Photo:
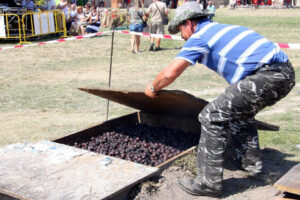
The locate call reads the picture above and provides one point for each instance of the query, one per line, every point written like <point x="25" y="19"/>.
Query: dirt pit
<point x="140" y="143"/>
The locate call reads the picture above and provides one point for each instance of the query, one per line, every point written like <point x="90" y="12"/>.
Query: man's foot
<point x="196" y="189"/>
<point x="133" y="51"/>
<point x="157" y="49"/>
<point x="151" y="48"/>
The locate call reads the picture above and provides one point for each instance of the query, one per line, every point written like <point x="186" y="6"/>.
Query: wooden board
<point x="173" y="102"/>
<point x="47" y="170"/>
<point x="168" y="102"/>
<point x="290" y="182"/>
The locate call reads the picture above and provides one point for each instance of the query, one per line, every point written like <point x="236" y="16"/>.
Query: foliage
<point x="41" y="3"/>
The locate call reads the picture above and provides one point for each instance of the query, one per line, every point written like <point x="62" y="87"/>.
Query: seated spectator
<point x="81" y="21"/>
<point x="87" y="10"/>
<point x="94" y="21"/>
<point x="72" y="18"/>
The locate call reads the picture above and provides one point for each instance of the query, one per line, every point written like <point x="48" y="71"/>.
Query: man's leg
<point x="160" y="30"/>
<point x="214" y="120"/>
<point x="158" y="43"/>
<point x="228" y="113"/>
<point x="245" y="152"/>
<point x="153" y="28"/>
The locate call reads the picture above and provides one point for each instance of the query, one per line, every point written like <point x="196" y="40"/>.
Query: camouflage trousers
<point x="231" y="115"/>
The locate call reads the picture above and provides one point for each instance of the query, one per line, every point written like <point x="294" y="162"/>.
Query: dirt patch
<point x="236" y="185"/>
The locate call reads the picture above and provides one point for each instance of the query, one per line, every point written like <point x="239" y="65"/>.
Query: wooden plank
<point x="171" y="122"/>
<point x="85" y="134"/>
<point x="171" y="160"/>
<point x="48" y="170"/>
<point x="290" y="182"/>
<point x="168" y="102"/>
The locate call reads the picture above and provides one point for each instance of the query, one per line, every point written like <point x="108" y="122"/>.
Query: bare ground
<point x="236" y="185"/>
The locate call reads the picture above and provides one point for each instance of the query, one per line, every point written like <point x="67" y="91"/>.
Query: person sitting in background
<point x="94" y="21"/>
<point x="136" y="14"/>
<point x="72" y="18"/>
<point x="81" y="21"/>
<point x="87" y="10"/>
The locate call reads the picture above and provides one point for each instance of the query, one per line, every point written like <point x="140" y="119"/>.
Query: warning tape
<point x="57" y="41"/>
<point x="171" y="37"/>
<point x="289" y="45"/>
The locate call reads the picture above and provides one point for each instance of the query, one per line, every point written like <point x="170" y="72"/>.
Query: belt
<point x="275" y="67"/>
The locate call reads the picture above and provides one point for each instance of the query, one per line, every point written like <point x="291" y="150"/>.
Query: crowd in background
<point x="81" y="20"/>
<point x="87" y="16"/>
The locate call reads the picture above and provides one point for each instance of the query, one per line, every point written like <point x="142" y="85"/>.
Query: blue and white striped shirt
<point x="234" y="52"/>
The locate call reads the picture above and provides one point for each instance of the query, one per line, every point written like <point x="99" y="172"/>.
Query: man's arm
<point x="167" y="76"/>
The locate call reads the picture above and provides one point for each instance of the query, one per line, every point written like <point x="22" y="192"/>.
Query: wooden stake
<point x="110" y="68"/>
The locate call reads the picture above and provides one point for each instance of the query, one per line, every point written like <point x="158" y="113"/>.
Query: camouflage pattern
<point x="233" y="112"/>
<point x="188" y="10"/>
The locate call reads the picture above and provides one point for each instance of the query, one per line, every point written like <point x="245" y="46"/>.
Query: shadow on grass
<point x="173" y="48"/>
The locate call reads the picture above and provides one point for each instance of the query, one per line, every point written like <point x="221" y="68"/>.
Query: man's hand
<point x="166" y="77"/>
<point x="149" y="93"/>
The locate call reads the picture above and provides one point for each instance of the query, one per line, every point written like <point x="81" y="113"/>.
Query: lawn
<point x="39" y="97"/>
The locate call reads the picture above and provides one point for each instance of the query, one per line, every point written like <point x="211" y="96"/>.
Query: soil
<point x="236" y="185"/>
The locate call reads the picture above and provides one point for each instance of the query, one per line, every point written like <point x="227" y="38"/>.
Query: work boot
<point x="193" y="188"/>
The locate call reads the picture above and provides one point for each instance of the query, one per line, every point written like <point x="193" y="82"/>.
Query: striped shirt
<point x="234" y="52"/>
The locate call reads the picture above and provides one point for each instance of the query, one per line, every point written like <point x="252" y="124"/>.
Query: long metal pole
<point x="110" y="68"/>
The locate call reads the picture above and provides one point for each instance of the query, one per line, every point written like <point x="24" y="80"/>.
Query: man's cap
<point x="188" y="10"/>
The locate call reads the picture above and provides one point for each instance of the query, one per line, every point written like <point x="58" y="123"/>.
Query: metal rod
<point x="110" y="68"/>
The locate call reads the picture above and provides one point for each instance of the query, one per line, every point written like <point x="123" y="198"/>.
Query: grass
<point x="39" y="97"/>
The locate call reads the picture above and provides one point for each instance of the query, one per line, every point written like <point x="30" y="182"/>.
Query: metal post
<point x="110" y="68"/>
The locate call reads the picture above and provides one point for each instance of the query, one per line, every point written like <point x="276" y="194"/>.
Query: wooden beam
<point x="290" y="182"/>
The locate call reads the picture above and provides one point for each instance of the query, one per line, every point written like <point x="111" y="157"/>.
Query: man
<point x="259" y="74"/>
<point x="156" y="10"/>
